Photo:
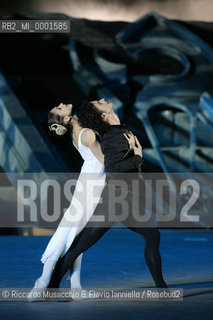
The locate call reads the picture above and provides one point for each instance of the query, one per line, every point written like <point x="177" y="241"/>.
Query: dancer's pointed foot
<point x="36" y="293"/>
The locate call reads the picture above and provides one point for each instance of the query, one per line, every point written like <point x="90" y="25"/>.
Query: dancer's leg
<point x="75" y="273"/>
<point x="83" y="241"/>
<point x="149" y="231"/>
<point x="48" y="268"/>
<point x="47" y="271"/>
<point x="152" y="253"/>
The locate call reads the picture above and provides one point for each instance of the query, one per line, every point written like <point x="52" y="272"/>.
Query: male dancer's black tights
<point x="90" y="235"/>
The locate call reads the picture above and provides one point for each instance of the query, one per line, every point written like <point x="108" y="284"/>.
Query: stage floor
<point x="116" y="261"/>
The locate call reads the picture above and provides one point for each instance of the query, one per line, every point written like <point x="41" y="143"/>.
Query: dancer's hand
<point x="138" y="148"/>
<point x="134" y="144"/>
<point x="130" y="138"/>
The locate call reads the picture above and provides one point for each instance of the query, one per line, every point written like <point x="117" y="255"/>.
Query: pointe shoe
<point x="36" y="293"/>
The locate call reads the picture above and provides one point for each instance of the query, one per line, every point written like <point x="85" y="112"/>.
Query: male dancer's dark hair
<point x="90" y="117"/>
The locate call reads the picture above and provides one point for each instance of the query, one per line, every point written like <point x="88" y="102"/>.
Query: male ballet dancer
<point x="118" y="158"/>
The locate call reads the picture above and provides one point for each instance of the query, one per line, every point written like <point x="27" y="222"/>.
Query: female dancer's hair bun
<point x="58" y="129"/>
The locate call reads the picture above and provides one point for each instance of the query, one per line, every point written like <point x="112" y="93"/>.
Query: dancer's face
<point x="64" y="111"/>
<point x="107" y="110"/>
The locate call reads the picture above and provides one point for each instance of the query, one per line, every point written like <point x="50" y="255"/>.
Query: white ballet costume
<point x="76" y="216"/>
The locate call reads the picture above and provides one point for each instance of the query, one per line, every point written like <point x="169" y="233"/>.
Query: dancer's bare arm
<point x="89" y="140"/>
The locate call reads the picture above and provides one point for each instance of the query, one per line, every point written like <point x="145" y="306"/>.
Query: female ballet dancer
<point x="60" y="120"/>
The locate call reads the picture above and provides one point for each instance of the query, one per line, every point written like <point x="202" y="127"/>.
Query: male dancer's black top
<point x="117" y="155"/>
